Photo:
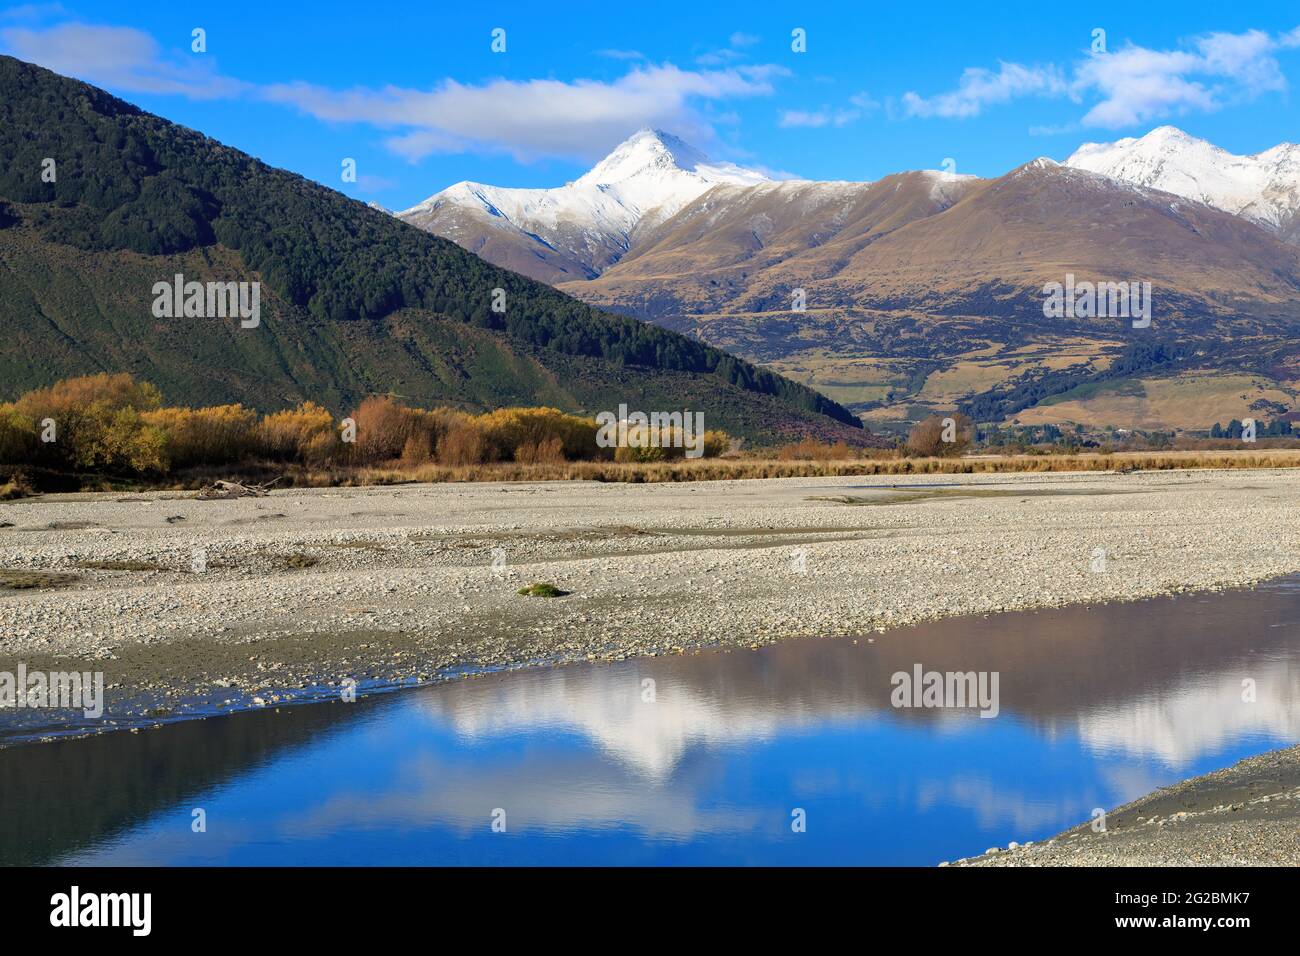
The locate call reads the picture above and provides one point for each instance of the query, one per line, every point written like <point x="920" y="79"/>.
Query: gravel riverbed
<point x="313" y="587"/>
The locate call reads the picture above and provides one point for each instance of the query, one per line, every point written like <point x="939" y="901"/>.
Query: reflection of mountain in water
<point x="697" y="701"/>
<point x="730" y="739"/>
<point x="1177" y="724"/>
<point x="1159" y="678"/>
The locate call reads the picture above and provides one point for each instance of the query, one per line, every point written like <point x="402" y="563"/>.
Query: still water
<point x="1097" y="706"/>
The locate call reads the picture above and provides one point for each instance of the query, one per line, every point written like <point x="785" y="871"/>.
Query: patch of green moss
<point x="542" y="589"/>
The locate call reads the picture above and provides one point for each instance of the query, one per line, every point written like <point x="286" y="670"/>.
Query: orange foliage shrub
<point x="547" y="452"/>
<point x="306" y="433"/>
<point x="383" y="429"/>
<point x="418" y="449"/>
<point x="809" y="449"/>
<point x="506" y="430"/>
<point x="717" y="443"/>
<point x="96" y="423"/>
<point x="926" y="439"/>
<point x="114" y="423"/>
<point x="73" y="396"/>
<point x="462" y="445"/>
<point x="219" y="433"/>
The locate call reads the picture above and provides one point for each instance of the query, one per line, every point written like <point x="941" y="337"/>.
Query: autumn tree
<point x="940" y="436"/>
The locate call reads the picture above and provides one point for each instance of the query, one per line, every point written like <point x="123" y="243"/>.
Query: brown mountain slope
<point x="915" y="305"/>
<point x="924" y="292"/>
<point x="709" y="254"/>
<point x="1041" y="221"/>
<point x="903" y="246"/>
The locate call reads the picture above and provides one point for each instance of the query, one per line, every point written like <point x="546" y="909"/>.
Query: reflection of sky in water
<point x="709" y="773"/>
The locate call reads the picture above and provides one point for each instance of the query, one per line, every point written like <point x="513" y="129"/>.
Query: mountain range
<point x="100" y="201"/>
<point x="923" y="291"/>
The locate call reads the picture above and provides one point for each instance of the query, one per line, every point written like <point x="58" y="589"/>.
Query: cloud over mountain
<point x="534" y="118"/>
<point x="1133" y="84"/>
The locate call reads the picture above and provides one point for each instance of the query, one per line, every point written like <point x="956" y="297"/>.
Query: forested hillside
<point x="353" y="301"/>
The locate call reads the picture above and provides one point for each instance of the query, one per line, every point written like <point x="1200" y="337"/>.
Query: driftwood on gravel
<point x="233" y="489"/>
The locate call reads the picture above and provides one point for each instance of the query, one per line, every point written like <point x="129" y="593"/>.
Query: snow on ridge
<point x="1263" y="187"/>
<point x="653" y="175"/>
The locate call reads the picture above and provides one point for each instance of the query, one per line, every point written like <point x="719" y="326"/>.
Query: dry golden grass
<point x="887" y="462"/>
<point x="16" y="487"/>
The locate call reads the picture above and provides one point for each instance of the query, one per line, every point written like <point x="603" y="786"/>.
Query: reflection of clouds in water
<point x="746" y="699"/>
<point x="604" y="704"/>
<point x="173" y="844"/>
<point x="1128" y="782"/>
<point x="547" y="792"/>
<point x="1179" y="723"/>
<point x="995" y="808"/>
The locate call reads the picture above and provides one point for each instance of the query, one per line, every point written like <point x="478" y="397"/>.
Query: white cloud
<point x="979" y="87"/>
<point x="822" y="117"/>
<point x="119" y="57"/>
<point x="719" y="57"/>
<point x="527" y="119"/>
<point x="533" y="118"/>
<point x="1133" y="84"/>
<point x="864" y="101"/>
<point x="1137" y="84"/>
<point x="730" y="53"/>
<point x="861" y="104"/>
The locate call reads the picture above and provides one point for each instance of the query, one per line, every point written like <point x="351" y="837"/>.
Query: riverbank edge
<point x="1246" y="814"/>
<point x="161" y="686"/>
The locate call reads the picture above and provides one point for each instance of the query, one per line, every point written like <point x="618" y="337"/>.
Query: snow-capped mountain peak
<point x="646" y="150"/>
<point x="589" y="222"/>
<point x="1264" y="187"/>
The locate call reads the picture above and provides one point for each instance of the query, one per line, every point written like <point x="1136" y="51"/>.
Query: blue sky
<point x="414" y="93"/>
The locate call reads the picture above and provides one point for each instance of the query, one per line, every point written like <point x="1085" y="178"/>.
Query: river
<point x="790" y="754"/>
